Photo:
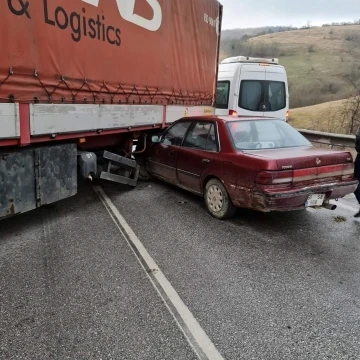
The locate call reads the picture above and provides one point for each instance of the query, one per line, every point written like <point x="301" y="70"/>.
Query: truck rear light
<point x="274" y="177"/>
<point x="233" y="113"/>
<point x="287" y="116"/>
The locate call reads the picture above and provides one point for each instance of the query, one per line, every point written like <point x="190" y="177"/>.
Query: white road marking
<point x="202" y="340"/>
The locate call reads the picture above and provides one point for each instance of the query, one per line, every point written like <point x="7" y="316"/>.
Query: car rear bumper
<point x="267" y="200"/>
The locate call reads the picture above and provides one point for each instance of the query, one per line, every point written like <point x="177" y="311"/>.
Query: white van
<point x="252" y="87"/>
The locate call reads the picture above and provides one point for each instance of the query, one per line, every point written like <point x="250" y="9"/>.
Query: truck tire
<point x="218" y="201"/>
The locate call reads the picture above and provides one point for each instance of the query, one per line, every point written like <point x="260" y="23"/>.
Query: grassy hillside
<point x="341" y="116"/>
<point x="321" y="62"/>
<point x="239" y="33"/>
<point x="321" y="117"/>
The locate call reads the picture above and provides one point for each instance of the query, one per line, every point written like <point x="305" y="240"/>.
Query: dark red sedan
<point x="258" y="163"/>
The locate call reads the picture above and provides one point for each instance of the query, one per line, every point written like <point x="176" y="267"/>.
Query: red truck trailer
<point x="81" y="80"/>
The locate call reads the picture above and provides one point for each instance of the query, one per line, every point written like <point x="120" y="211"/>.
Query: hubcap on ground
<point x="215" y="198"/>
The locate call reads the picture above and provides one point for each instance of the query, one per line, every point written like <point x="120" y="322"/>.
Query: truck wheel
<point x="218" y="201"/>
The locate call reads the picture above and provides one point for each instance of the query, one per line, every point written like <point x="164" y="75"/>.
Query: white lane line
<point x="203" y="342"/>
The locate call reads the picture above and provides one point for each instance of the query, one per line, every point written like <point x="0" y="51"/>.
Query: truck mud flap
<point x="119" y="169"/>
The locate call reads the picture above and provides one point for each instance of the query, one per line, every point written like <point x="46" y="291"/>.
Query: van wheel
<point x="217" y="200"/>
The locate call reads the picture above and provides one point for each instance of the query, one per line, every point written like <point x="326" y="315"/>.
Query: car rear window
<point x="222" y="94"/>
<point x="262" y="95"/>
<point x="264" y="134"/>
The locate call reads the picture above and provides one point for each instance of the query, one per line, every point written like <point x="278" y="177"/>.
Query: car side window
<point x="202" y="136"/>
<point x="175" y="134"/>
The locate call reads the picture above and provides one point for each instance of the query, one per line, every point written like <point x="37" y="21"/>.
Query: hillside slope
<point x="239" y="33"/>
<point x="321" y="117"/>
<point x="341" y="116"/>
<point x="321" y="62"/>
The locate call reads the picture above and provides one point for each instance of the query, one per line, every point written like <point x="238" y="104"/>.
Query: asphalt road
<point x="260" y="286"/>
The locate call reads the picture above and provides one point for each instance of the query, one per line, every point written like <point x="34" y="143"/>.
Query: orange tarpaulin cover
<point x="112" y="51"/>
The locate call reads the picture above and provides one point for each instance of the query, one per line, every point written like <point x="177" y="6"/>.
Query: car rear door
<point x="196" y="155"/>
<point x="163" y="156"/>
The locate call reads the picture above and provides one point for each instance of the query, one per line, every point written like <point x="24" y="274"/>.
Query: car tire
<point x="218" y="201"/>
<point x="144" y="174"/>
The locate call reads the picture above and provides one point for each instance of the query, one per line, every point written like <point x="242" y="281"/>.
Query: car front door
<point x="196" y="155"/>
<point x="163" y="155"/>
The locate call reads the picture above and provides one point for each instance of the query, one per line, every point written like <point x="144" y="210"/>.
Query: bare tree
<point x="351" y="111"/>
<point x="351" y="114"/>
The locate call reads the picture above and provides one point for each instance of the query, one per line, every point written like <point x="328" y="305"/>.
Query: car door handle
<point x="205" y="160"/>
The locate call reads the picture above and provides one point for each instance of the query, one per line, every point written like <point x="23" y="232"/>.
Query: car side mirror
<point x="156" y="139"/>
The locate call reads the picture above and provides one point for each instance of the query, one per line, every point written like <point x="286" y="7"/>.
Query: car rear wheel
<point x="217" y="200"/>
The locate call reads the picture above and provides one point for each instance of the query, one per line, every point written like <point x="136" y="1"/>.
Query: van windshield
<point x="264" y="134"/>
<point x="262" y="95"/>
<point x="222" y="94"/>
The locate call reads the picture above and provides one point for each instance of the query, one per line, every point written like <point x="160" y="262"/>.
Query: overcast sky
<point x="255" y="13"/>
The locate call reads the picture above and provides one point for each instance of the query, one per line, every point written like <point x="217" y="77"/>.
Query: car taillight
<point x="287" y="116"/>
<point x="274" y="177"/>
<point x="346" y="171"/>
<point x="348" y="168"/>
<point x="232" y="113"/>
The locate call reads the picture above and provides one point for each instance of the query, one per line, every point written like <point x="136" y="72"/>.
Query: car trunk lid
<point x="302" y="157"/>
<point x="304" y="166"/>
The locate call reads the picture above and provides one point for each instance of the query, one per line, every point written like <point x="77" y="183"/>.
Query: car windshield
<point x="264" y="134"/>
